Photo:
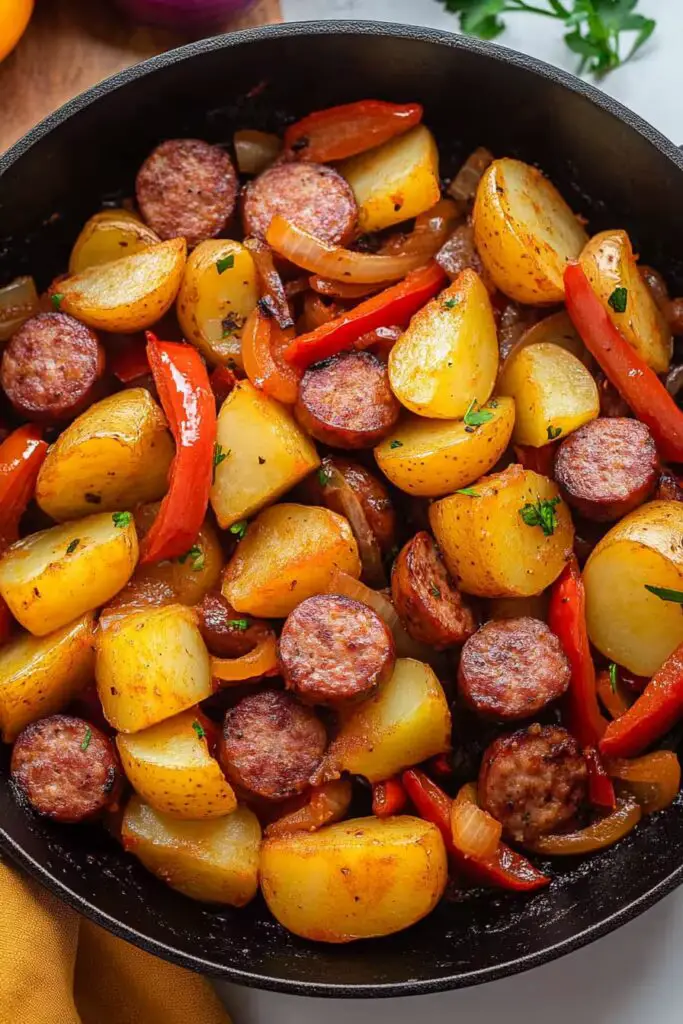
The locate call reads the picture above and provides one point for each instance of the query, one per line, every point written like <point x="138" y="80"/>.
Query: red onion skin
<point x="182" y="14"/>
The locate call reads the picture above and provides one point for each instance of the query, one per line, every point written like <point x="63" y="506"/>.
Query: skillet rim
<point x="40" y="872"/>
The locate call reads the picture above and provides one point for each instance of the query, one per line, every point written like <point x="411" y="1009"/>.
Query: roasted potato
<point x="107" y="237"/>
<point x="114" y="455"/>
<point x="396" y="181"/>
<point x="213" y="305"/>
<point x="553" y="391"/>
<point x="555" y="330"/>
<point x="170" y="767"/>
<point x="40" y="675"/>
<point x="127" y="294"/>
<point x="430" y="458"/>
<point x="525" y="232"/>
<point x="406" y="722"/>
<point x="266" y="453"/>
<point x="358" y="879"/>
<point x="510" y="538"/>
<point x="215" y="861"/>
<point x="150" y="665"/>
<point x="610" y="265"/>
<point x="448" y="355"/>
<point x="288" y="554"/>
<point x="626" y="622"/>
<point x="52" y="577"/>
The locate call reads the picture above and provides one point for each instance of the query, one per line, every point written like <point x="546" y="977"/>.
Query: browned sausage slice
<point x="512" y="668"/>
<point x="271" y="745"/>
<point x="51" y="368"/>
<point x="346" y="401"/>
<point x="426" y="598"/>
<point x="66" y="768"/>
<point x="227" y="633"/>
<point x="187" y="188"/>
<point x="334" y="649"/>
<point x="374" y="498"/>
<point x="533" y="781"/>
<point x="311" y="196"/>
<point x="607" y="468"/>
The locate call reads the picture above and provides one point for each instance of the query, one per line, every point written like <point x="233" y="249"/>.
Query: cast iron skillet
<point x="613" y="168"/>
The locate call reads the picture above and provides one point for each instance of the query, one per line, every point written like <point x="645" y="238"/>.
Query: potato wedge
<point x="358" y="879"/>
<point x="170" y="767"/>
<point x="609" y="263"/>
<point x="626" y="622"/>
<point x="406" y="722"/>
<point x="151" y="665"/>
<point x="212" y="307"/>
<point x="114" y="455"/>
<point x="490" y="549"/>
<point x="437" y="457"/>
<point x="52" y="577"/>
<point x="448" y="355"/>
<point x="553" y="391"/>
<point x="555" y="330"/>
<point x="106" y="237"/>
<point x="41" y="675"/>
<point x="268" y="453"/>
<point x="127" y="294"/>
<point x="289" y="553"/>
<point x="525" y="232"/>
<point x="395" y="181"/>
<point x="215" y="861"/>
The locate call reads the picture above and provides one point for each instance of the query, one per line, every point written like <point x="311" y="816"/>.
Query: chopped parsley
<point x="554" y="432"/>
<point x="57" y="300"/>
<point x="122" y="519"/>
<point x="239" y="529"/>
<point x="196" y="556"/>
<point x="434" y="590"/>
<point x="86" y="739"/>
<point x="469" y="491"/>
<point x="618" y="300"/>
<point x="323" y="476"/>
<point x="219" y="456"/>
<point x="238" y="624"/>
<point x="225" y="263"/>
<point x="198" y="728"/>
<point x="396" y="444"/>
<point x="73" y="545"/>
<point x="475" y="417"/>
<point x="450" y="303"/>
<point x="664" y="594"/>
<point x="542" y="514"/>
<point x="613" y="676"/>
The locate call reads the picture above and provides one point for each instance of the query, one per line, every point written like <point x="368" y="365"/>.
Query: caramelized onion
<point x="325" y="804"/>
<point x="255" y="151"/>
<point x="343" y="499"/>
<point x="475" y="832"/>
<point x="464" y="185"/>
<point x="654" y="779"/>
<point x="262" y="661"/>
<point x="18" y="302"/>
<point x="600" y="834"/>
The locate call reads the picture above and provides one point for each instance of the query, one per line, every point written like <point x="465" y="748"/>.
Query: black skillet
<point x="613" y="168"/>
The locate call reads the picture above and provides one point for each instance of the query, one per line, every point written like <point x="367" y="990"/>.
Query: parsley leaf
<point x="613" y="676"/>
<point x="541" y="514"/>
<point x="218" y="456"/>
<point x="664" y="594"/>
<point x="554" y="432"/>
<point x="469" y="491"/>
<point x="199" y="729"/>
<point x="239" y="529"/>
<point x="395" y="444"/>
<point x="238" y="624"/>
<point x="86" y="739"/>
<point x="323" y="476"/>
<point x="56" y="299"/>
<point x="73" y="545"/>
<point x="450" y="303"/>
<point x="475" y="417"/>
<point x="197" y="558"/>
<point x="225" y="263"/>
<point x="434" y="590"/>
<point x="618" y="300"/>
<point x="122" y="519"/>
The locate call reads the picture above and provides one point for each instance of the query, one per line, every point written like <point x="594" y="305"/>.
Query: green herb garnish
<point x="122" y="519"/>
<point x="86" y="739"/>
<point x="197" y="558"/>
<point x="395" y="444"/>
<point x="57" y="300"/>
<point x="554" y="432"/>
<point x="469" y="491"/>
<point x="218" y="456"/>
<point x="239" y="529"/>
<point x="323" y="476"/>
<point x="238" y="623"/>
<point x="450" y="303"/>
<point x="618" y="300"/>
<point x="541" y="514"/>
<point x="475" y="417"/>
<point x="73" y="545"/>
<point x="613" y="676"/>
<point x="199" y="730"/>
<point x="225" y="263"/>
<point x="434" y="590"/>
<point x="664" y="594"/>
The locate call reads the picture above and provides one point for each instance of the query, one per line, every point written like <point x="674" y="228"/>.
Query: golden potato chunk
<point x="109" y="236"/>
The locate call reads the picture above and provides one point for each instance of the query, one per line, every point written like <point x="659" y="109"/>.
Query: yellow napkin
<point x="58" y="968"/>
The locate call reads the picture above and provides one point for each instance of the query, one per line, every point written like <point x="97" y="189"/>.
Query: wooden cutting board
<point x="71" y="44"/>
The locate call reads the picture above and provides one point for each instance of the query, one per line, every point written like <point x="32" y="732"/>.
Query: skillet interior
<point x="612" y="168"/>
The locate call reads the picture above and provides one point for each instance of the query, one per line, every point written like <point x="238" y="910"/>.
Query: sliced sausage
<point x="668" y="487"/>
<point x="51" y="368"/>
<point x="66" y="768"/>
<point x="227" y="633"/>
<point x="373" y="496"/>
<point x="607" y="468"/>
<point x="334" y="650"/>
<point x="656" y="285"/>
<point x="311" y="196"/>
<point x="187" y="188"/>
<point x="346" y="401"/>
<point x="533" y="781"/>
<point x="271" y="745"/>
<point x="426" y="598"/>
<point x="512" y="668"/>
<point x="673" y="311"/>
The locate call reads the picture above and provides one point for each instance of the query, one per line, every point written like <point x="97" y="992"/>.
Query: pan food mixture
<point x="341" y="528"/>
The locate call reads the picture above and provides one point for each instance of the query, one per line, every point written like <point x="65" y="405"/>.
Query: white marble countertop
<point x="633" y="975"/>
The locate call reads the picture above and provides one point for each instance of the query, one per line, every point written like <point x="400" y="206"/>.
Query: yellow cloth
<point x="58" y="968"/>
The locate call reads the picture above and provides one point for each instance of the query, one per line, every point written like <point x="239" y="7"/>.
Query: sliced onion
<point x="600" y="834"/>
<point x="255" y="151"/>
<point x="318" y="312"/>
<point x="301" y="248"/>
<point x="464" y="185"/>
<point x="475" y="832"/>
<point x="654" y="779"/>
<point x="325" y="804"/>
<point x="431" y="230"/>
<point x="340" y="290"/>
<point x="262" y="661"/>
<point x="272" y="289"/>
<point x="613" y="699"/>
<point x="342" y="498"/>
<point x="18" y="301"/>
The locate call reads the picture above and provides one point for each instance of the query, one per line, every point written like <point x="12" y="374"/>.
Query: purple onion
<point x="182" y="14"/>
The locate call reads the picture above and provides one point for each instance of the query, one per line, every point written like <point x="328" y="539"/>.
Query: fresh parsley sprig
<point x="593" y="27"/>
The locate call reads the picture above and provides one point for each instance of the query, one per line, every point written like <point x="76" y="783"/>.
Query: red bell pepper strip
<point x="638" y="385"/>
<point x="600" y="786"/>
<point x="129" y="361"/>
<point x="388" y="797"/>
<point x="187" y="399"/>
<point x="339" y="132"/>
<point x="393" y="306"/>
<point x="505" y="869"/>
<point x="540" y="460"/>
<point x="567" y="619"/>
<point x="658" y="708"/>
